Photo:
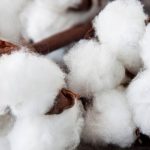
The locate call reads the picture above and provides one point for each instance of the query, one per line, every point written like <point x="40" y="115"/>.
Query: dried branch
<point x="52" y="43"/>
<point x="62" y="39"/>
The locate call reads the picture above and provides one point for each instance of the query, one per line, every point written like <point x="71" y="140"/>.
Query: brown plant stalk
<point x="62" y="39"/>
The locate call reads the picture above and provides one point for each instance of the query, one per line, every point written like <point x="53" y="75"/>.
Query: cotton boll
<point x="139" y="100"/>
<point x="145" y="46"/>
<point x="92" y="68"/>
<point x="109" y="121"/>
<point x="121" y="25"/>
<point x="10" y="27"/>
<point x="48" y="17"/>
<point x="54" y="132"/>
<point x="29" y="83"/>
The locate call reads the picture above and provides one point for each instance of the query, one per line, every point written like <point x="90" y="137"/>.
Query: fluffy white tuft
<point x="109" y="121"/>
<point x="139" y="100"/>
<point x="145" y="46"/>
<point x="48" y="17"/>
<point x="121" y="25"/>
<point x="29" y="83"/>
<point x="10" y="26"/>
<point x="54" y="132"/>
<point x="92" y="68"/>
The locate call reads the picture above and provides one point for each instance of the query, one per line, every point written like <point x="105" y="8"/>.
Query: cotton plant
<point x="138" y="91"/>
<point x="121" y="25"/>
<point x="95" y="73"/>
<point x="96" y="70"/>
<point x="37" y="111"/>
<point x="33" y="88"/>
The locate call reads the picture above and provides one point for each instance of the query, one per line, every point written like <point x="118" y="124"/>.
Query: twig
<point x="62" y="39"/>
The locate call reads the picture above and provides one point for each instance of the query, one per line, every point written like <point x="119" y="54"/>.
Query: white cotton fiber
<point x="109" y="121"/>
<point x="121" y="25"/>
<point x="145" y="46"/>
<point x="139" y="100"/>
<point x="92" y="68"/>
<point x="54" y="132"/>
<point x="10" y="27"/>
<point x="48" y="17"/>
<point x="29" y="83"/>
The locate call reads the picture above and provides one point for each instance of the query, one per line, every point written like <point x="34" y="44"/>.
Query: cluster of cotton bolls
<point x="37" y="112"/>
<point x="28" y="90"/>
<point x="47" y="17"/>
<point x="97" y="71"/>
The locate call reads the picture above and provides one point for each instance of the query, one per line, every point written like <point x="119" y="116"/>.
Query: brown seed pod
<point x="7" y="47"/>
<point x="64" y="100"/>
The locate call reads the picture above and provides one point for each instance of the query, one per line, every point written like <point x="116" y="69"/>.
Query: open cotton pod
<point x="48" y="17"/>
<point x="92" y="68"/>
<point x="139" y="99"/>
<point x="121" y="25"/>
<point x="29" y="83"/>
<point x="109" y="120"/>
<point x="60" y="129"/>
